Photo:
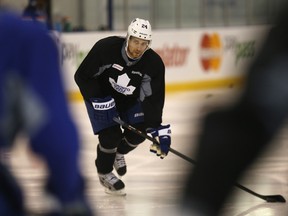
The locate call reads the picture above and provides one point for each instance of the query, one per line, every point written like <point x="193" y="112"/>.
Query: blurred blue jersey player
<point x="32" y="101"/>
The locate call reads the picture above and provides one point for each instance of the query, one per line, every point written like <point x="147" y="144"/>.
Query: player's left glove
<point x="163" y="135"/>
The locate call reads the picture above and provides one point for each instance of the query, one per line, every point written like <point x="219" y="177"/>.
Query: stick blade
<point x="275" y="198"/>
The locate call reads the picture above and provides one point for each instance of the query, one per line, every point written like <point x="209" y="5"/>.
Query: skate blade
<point x="115" y="192"/>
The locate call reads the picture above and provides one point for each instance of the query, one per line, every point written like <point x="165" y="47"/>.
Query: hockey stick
<point x="267" y="198"/>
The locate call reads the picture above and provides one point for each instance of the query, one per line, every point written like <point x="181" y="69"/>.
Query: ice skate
<point x="120" y="164"/>
<point x="112" y="184"/>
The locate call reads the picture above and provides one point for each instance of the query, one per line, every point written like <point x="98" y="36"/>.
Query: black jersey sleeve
<point x="153" y="104"/>
<point x="85" y="75"/>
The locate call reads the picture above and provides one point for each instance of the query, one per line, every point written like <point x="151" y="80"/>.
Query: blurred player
<point x="32" y="101"/>
<point x="123" y="77"/>
<point x="232" y="139"/>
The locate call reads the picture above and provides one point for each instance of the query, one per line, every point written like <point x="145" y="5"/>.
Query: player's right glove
<point x="163" y="135"/>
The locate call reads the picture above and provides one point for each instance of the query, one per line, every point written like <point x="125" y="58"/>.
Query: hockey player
<point x="32" y="101"/>
<point x="123" y="77"/>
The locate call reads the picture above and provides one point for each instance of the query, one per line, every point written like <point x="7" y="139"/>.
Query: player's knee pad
<point x="126" y="146"/>
<point x="110" y="138"/>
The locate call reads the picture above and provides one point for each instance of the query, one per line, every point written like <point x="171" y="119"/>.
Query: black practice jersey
<point x="107" y="71"/>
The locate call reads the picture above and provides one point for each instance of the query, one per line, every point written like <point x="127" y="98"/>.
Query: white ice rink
<point x="153" y="185"/>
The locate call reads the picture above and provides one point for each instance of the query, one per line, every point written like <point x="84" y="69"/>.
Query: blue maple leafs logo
<point x="121" y="85"/>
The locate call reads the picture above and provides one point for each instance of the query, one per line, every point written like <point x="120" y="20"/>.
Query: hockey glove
<point x="162" y="135"/>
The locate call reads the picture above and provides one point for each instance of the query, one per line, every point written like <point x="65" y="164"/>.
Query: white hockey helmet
<point x="140" y="28"/>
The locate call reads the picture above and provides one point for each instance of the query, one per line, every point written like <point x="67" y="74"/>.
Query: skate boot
<point x="112" y="184"/>
<point x="120" y="164"/>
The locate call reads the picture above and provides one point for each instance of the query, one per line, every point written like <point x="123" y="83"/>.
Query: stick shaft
<point x="277" y="198"/>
